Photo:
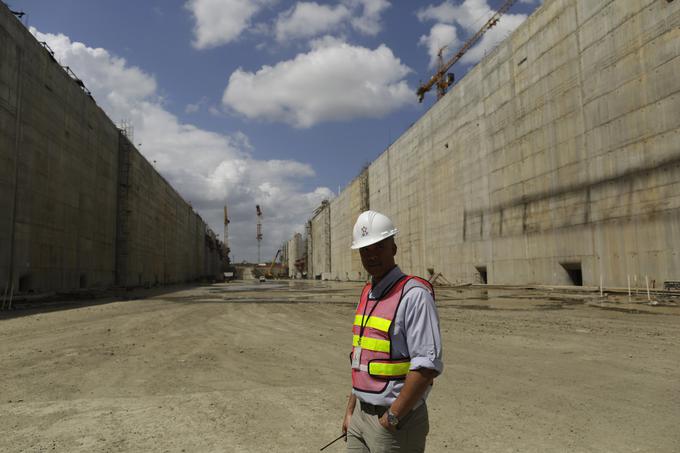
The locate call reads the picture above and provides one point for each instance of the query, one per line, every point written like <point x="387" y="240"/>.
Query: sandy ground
<point x="249" y="367"/>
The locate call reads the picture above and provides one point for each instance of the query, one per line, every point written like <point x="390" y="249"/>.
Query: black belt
<point x="373" y="409"/>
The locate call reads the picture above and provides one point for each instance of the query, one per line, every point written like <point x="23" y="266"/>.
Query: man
<point x="396" y="351"/>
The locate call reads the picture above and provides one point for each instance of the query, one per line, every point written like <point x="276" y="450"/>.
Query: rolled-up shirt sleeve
<point x="423" y="336"/>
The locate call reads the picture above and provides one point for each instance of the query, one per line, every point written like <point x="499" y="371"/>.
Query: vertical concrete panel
<point x="59" y="172"/>
<point x="9" y="89"/>
<point x="295" y="250"/>
<point x="321" y="242"/>
<point x="346" y="263"/>
<point x="339" y="219"/>
<point x="161" y="239"/>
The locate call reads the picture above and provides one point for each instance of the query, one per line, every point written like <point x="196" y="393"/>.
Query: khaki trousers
<point x="367" y="435"/>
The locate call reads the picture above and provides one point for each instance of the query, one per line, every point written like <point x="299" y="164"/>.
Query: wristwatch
<point x="392" y="419"/>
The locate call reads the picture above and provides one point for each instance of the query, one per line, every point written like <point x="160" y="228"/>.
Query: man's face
<point x="378" y="258"/>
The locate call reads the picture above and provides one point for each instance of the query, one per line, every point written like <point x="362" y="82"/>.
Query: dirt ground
<point x="263" y="367"/>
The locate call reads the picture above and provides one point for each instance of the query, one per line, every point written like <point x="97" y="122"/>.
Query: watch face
<point x="392" y="419"/>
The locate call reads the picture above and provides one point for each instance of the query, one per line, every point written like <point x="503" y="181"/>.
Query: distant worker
<point x="396" y="348"/>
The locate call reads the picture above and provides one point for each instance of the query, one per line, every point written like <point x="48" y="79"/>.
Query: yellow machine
<point x="271" y="268"/>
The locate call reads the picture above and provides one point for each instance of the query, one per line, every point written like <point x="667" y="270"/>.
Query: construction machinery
<point x="269" y="273"/>
<point x="442" y="79"/>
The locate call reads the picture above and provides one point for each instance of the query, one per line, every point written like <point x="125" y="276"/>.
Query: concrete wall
<point x="81" y="207"/>
<point x="559" y="151"/>
<point x="59" y="155"/>
<point x="346" y="263"/>
<point x="319" y="243"/>
<point x="296" y="249"/>
<point x="165" y="241"/>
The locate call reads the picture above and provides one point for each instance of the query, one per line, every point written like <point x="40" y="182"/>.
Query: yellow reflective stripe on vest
<point x="373" y="322"/>
<point x="388" y="369"/>
<point x="372" y="344"/>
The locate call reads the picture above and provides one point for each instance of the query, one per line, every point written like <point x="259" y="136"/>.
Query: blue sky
<point x="269" y="102"/>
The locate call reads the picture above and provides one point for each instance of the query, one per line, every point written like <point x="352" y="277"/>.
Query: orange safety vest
<point x="372" y="331"/>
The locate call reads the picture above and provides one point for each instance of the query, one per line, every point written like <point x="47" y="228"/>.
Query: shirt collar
<point x="387" y="281"/>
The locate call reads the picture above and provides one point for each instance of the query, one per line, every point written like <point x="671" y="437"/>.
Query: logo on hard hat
<point x="364" y="231"/>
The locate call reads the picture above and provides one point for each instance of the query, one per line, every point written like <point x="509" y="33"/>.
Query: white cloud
<point x="205" y="167"/>
<point x="493" y="37"/>
<point x="193" y="108"/>
<point x="368" y="22"/>
<point x="107" y="73"/>
<point x="440" y="35"/>
<point x="311" y="19"/>
<point x="308" y="19"/>
<point x="333" y="81"/>
<point x="448" y="12"/>
<point x="471" y="15"/>
<point x="221" y="21"/>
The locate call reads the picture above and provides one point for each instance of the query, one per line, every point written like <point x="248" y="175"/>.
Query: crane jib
<point x="438" y="78"/>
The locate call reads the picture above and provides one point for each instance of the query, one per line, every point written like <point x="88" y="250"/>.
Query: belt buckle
<point x="373" y="408"/>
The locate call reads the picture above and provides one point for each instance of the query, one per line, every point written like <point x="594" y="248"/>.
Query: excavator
<point x="269" y="273"/>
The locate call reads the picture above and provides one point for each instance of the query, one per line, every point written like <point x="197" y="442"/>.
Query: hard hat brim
<point x="374" y="240"/>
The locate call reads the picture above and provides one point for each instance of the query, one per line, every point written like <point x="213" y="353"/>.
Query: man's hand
<point x="385" y="424"/>
<point x="417" y="381"/>
<point x="351" y="402"/>
<point x="346" y="421"/>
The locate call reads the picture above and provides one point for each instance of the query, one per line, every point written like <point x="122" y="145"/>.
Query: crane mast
<point x="443" y="80"/>
<point x="226" y="231"/>
<point x="259" y="232"/>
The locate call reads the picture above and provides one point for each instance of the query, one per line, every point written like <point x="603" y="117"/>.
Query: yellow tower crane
<point x="443" y="80"/>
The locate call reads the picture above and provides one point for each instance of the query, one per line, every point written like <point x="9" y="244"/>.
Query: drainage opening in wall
<point x="481" y="270"/>
<point x="83" y="281"/>
<point x="25" y="283"/>
<point x="574" y="272"/>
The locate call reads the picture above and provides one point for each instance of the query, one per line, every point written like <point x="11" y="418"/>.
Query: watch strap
<point x="392" y="419"/>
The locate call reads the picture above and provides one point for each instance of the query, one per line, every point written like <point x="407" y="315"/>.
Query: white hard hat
<point x="371" y="227"/>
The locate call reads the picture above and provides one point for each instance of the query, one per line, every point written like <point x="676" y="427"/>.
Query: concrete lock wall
<point x="556" y="159"/>
<point x="59" y="171"/>
<point x="63" y="226"/>
<point x="290" y="254"/>
<point x="319" y="242"/>
<point x="165" y="240"/>
<point x="346" y="263"/>
<point x="294" y="251"/>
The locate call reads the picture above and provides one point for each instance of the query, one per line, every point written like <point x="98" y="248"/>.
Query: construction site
<point x="540" y="195"/>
